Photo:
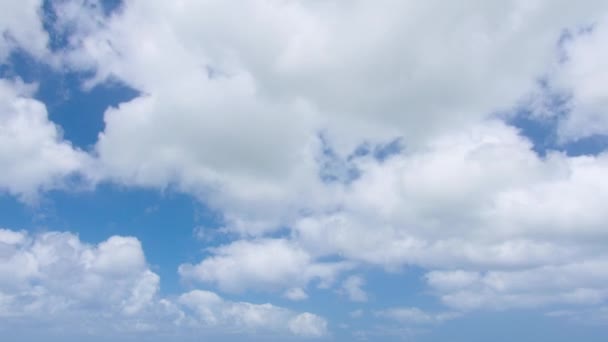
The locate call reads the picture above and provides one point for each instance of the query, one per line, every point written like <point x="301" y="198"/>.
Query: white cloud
<point x="231" y="111"/>
<point x="263" y="265"/>
<point x="237" y="124"/>
<point x="476" y="198"/>
<point x="352" y="287"/>
<point x="591" y="316"/>
<point x="411" y="315"/>
<point x="33" y="155"/>
<point x="307" y="324"/>
<point x="296" y="293"/>
<point x="21" y="27"/>
<point x="55" y="273"/>
<point x="582" y="76"/>
<point x="53" y="279"/>
<point x="580" y="283"/>
<point x="242" y="317"/>
<point x="56" y="278"/>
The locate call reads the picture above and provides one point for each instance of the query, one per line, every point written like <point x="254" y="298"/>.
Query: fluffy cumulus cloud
<point x="336" y="134"/>
<point x="478" y="198"/>
<point x="211" y="310"/>
<point x="55" y="277"/>
<point x="55" y="274"/>
<point x="233" y="113"/>
<point x="245" y="116"/>
<point x="33" y="154"/>
<point x="482" y="200"/>
<point x="268" y="264"/>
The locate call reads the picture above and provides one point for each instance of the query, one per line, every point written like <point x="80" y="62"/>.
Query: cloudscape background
<point x="323" y="170"/>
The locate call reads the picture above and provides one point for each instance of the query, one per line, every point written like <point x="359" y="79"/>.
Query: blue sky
<point x="393" y="171"/>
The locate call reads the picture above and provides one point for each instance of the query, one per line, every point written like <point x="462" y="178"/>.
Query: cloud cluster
<point x="55" y="277"/>
<point x="272" y="113"/>
<point x="233" y="113"/>
<point x="266" y="265"/>
<point x="577" y="283"/>
<point x="212" y="310"/>
<point x="55" y="273"/>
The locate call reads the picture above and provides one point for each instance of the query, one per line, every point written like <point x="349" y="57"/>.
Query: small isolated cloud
<point x="307" y="324"/>
<point x="412" y="315"/>
<point x="353" y="288"/>
<point x="296" y="294"/>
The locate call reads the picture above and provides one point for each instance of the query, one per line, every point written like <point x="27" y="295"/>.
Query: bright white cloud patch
<point x="265" y="265"/>
<point x="232" y="112"/>
<point x="33" y="155"/>
<point x="480" y="197"/>
<point x="55" y="274"/>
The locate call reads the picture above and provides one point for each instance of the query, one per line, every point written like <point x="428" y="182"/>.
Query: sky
<point x="290" y="170"/>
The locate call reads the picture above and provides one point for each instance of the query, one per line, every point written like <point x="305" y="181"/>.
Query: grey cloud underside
<point x="238" y="112"/>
